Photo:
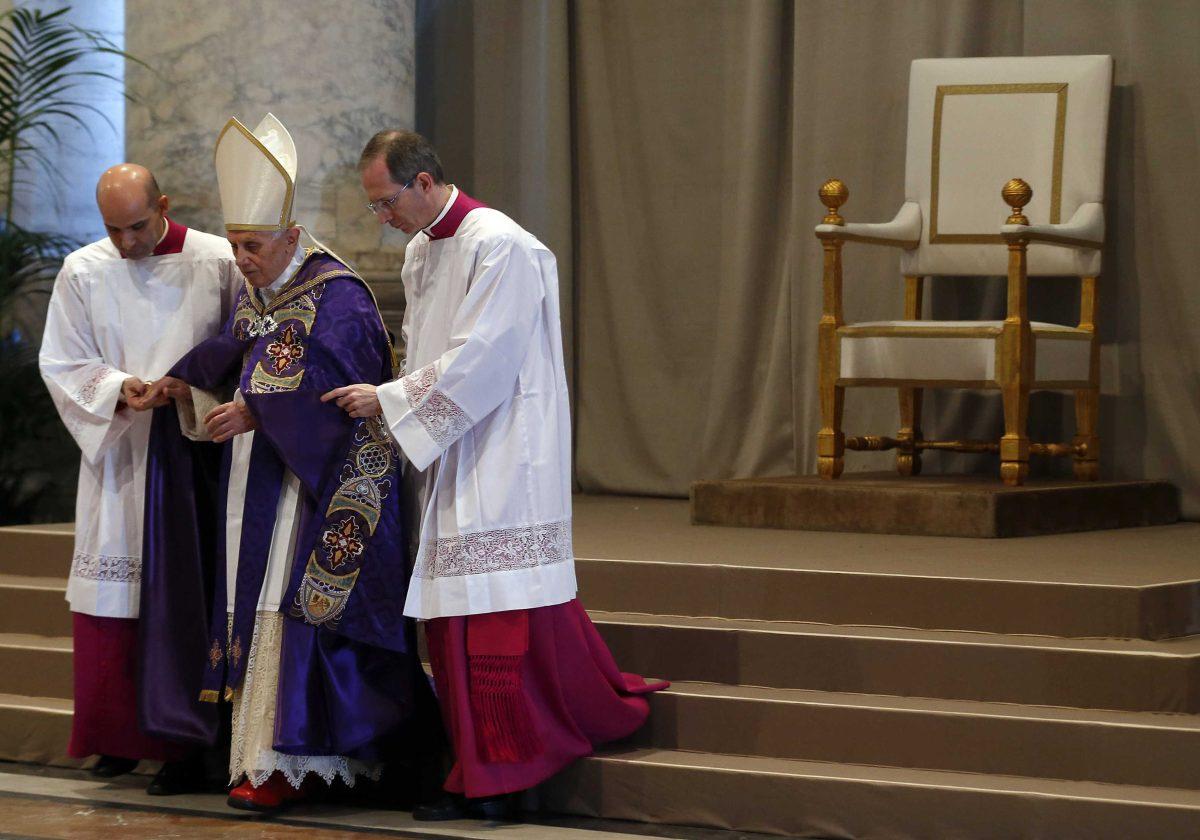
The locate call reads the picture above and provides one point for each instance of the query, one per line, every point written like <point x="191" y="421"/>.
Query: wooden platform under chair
<point x="948" y="506"/>
<point x="828" y="684"/>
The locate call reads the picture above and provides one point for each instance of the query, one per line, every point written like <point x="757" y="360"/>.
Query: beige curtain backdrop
<point x="493" y="94"/>
<point x="678" y="145"/>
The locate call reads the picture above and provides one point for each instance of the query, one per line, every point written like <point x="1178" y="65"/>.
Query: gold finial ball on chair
<point x="833" y="195"/>
<point x="1017" y="194"/>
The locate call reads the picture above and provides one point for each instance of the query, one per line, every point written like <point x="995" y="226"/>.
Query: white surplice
<point x="483" y="411"/>
<point x="109" y="319"/>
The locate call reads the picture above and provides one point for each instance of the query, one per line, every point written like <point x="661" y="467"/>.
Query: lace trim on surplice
<point x="85" y="394"/>
<point x="107" y="567"/>
<point x="250" y="752"/>
<point x="442" y="418"/>
<point x="500" y="550"/>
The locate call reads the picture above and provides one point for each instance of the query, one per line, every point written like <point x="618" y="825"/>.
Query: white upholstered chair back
<point x="974" y="123"/>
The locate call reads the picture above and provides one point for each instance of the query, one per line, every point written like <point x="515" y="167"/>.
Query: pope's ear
<point x="293" y="236"/>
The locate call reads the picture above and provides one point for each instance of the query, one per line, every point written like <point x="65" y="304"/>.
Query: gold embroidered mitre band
<point x="256" y="175"/>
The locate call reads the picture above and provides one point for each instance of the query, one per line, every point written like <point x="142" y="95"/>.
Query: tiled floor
<point x="49" y="804"/>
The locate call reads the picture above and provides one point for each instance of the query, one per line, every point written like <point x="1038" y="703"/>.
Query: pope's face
<point x="133" y="223"/>
<point x="404" y="208"/>
<point x="263" y="255"/>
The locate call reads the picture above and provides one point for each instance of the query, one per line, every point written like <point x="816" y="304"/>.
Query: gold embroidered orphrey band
<point x="1060" y="125"/>
<point x="290" y="293"/>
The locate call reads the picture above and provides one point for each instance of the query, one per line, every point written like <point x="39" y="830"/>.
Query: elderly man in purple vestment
<point x="310" y="644"/>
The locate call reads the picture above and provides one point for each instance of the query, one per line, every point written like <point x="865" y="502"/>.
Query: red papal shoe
<point x="272" y="795"/>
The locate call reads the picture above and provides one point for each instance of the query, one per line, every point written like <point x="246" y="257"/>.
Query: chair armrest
<point x="1085" y="230"/>
<point x="904" y="231"/>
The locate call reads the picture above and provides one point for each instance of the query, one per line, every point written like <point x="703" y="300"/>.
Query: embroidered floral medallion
<point x="343" y="542"/>
<point x="285" y="351"/>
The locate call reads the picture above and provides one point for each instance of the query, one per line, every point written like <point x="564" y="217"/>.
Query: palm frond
<point x="46" y="82"/>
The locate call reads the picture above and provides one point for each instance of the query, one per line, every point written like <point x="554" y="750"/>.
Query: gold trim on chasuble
<point x="365" y="483"/>
<point x="285" y="213"/>
<point x="1060" y="126"/>
<point x="293" y="303"/>
<point x="263" y="314"/>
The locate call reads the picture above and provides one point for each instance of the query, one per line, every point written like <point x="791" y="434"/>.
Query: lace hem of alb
<point x="107" y="567"/>
<point x="253" y="733"/>
<point x="499" y="550"/>
<point x="442" y="418"/>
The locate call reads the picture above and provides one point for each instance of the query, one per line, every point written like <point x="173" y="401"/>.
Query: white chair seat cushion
<point x="956" y="351"/>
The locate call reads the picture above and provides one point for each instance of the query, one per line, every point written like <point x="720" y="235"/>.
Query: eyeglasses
<point x="386" y="204"/>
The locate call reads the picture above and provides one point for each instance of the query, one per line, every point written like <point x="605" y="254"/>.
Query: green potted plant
<point x="41" y="75"/>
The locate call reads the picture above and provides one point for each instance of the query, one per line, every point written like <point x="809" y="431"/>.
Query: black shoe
<point x="448" y="807"/>
<point x="175" y="777"/>
<point x="111" y="766"/>
<point x="502" y="808"/>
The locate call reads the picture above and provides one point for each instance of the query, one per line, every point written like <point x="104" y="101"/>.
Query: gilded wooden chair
<point x="977" y="126"/>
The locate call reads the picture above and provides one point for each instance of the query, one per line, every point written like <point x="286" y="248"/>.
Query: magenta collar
<point x="447" y="226"/>
<point x="172" y="243"/>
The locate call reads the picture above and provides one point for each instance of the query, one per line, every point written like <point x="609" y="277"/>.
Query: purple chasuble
<point x="349" y="673"/>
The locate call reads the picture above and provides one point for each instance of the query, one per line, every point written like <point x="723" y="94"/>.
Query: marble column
<point x="333" y="73"/>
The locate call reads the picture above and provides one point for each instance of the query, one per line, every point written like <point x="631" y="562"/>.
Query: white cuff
<point x="408" y="432"/>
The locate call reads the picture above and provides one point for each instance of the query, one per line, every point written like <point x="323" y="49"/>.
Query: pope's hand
<point x="167" y="388"/>
<point x="133" y="393"/>
<point x="357" y="400"/>
<point x="227" y="420"/>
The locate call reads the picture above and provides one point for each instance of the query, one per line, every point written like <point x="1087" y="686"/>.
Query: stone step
<point x="35" y="605"/>
<point x="36" y="666"/>
<point x="37" y="550"/>
<point x="1121" y="674"/>
<point x="644" y="555"/>
<point x="737" y="588"/>
<point x="739" y="573"/>
<point x="1135" y="748"/>
<point x="821" y="799"/>
<point x="35" y="729"/>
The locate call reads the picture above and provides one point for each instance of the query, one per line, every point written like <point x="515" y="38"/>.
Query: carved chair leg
<point x="908" y="461"/>
<point x="831" y="441"/>
<point x="1014" y="446"/>
<point x="1087" y="409"/>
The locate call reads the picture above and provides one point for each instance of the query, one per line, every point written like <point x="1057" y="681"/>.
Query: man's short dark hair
<point x="406" y="153"/>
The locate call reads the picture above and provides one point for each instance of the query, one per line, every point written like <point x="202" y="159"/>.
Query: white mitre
<point x="256" y="175"/>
